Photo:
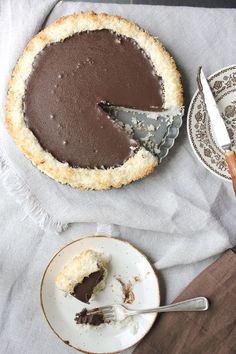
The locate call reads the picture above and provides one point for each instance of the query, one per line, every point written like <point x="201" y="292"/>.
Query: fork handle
<point x="195" y="304"/>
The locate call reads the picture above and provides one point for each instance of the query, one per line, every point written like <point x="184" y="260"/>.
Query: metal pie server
<point x="150" y="128"/>
<point x="218" y="125"/>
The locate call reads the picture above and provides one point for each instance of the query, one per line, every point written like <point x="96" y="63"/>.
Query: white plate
<point x="223" y="84"/>
<point x="128" y="263"/>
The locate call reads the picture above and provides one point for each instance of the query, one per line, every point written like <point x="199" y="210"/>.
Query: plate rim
<point x="188" y="126"/>
<point x="78" y="240"/>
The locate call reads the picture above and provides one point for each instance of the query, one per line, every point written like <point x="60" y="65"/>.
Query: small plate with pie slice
<point x="96" y="271"/>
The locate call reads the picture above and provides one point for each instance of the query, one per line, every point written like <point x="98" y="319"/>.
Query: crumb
<point x="121" y="124"/>
<point x="118" y="40"/>
<point x="129" y="296"/>
<point x="128" y="129"/>
<point x="147" y="137"/>
<point x="137" y="279"/>
<point x="151" y="128"/>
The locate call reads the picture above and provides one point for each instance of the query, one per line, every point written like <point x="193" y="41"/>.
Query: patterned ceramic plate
<point x="223" y="84"/>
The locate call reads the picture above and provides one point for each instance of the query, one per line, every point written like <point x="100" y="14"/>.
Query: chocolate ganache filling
<point x="68" y="81"/>
<point x="83" y="291"/>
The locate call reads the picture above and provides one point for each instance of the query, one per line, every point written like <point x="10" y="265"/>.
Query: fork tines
<point x="107" y="312"/>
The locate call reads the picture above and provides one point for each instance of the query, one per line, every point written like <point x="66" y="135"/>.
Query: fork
<point x="119" y="312"/>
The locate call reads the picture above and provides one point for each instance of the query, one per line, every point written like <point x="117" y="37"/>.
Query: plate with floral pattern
<point x="201" y="137"/>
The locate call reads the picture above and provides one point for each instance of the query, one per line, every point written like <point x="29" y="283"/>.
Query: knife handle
<point x="230" y="158"/>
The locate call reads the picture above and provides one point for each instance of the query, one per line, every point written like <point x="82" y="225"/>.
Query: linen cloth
<point x="212" y="331"/>
<point x="24" y="253"/>
<point x="181" y="216"/>
<point x="187" y="206"/>
<point x="180" y="191"/>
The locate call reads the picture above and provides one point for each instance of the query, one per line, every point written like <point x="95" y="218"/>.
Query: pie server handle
<point x="230" y="158"/>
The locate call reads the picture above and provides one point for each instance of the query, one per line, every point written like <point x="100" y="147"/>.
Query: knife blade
<point x="217" y="124"/>
<point x="149" y="127"/>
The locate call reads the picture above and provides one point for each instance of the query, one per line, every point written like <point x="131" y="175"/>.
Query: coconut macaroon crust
<point x="44" y="127"/>
<point x="85" y="275"/>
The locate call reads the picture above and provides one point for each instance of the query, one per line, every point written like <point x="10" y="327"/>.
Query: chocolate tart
<point x="53" y="109"/>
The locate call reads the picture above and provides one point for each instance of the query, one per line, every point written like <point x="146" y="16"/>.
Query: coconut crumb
<point x="129" y="296"/>
<point x="128" y="129"/>
<point x="151" y="128"/>
<point x="137" y="279"/>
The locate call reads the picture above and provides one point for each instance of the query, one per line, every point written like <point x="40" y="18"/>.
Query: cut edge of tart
<point x="85" y="317"/>
<point x="140" y="163"/>
<point x="85" y="275"/>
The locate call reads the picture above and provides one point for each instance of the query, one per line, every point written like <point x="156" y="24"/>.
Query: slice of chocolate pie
<point x="84" y="276"/>
<point x="54" y="100"/>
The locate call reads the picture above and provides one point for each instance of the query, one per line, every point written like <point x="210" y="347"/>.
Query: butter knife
<point x="218" y="126"/>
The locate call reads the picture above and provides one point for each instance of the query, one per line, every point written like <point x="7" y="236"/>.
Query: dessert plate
<point x="223" y="84"/>
<point x="127" y="264"/>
